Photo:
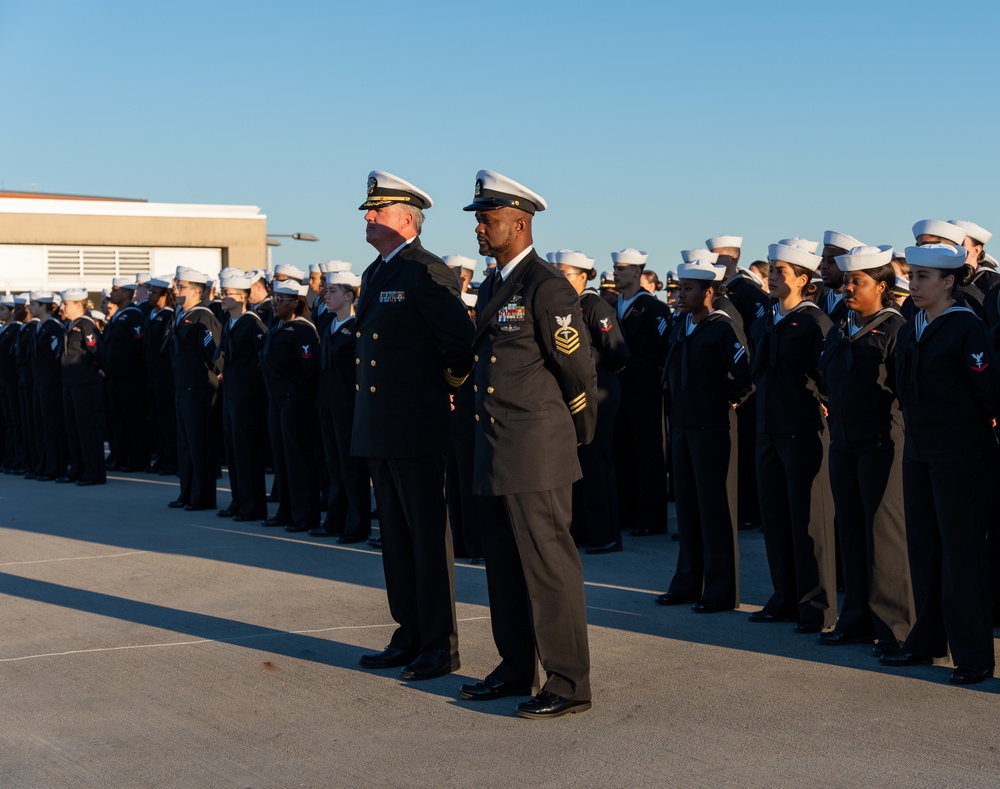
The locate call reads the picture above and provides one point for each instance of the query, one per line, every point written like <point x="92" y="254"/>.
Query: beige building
<point x="58" y="241"/>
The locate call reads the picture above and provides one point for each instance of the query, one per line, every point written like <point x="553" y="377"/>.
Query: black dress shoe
<point x="608" y="547"/>
<point x="198" y="507"/>
<point x="901" y="658"/>
<point x="177" y="505"/>
<point x="390" y="657"/>
<point x="321" y="531"/>
<point x="296" y="526"/>
<point x="646" y="533"/>
<point x="86" y="483"/>
<point x="765" y="616"/>
<point x="375" y="542"/>
<point x="969" y="675"/>
<point x="44" y="478"/>
<point x="670" y="598"/>
<point x="66" y="480"/>
<point x="430" y="664"/>
<point x="477" y="560"/>
<point x="708" y="607"/>
<point x="29" y="475"/>
<point x="549" y="705"/>
<point x="807" y="628"/>
<point x="273" y="521"/>
<point x="226" y="513"/>
<point x="349" y="539"/>
<point x="491" y="688"/>
<point x="249" y="518"/>
<point x="885" y="648"/>
<point x="836" y="637"/>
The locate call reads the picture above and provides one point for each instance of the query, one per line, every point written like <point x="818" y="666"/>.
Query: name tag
<point x="392" y="296"/>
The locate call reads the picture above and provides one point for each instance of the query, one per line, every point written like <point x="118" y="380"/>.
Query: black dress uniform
<point x="193" y="342"/>
<point x="795" y="502"/>
<point x="289" y="361"/>
<point x="13" y="447"/>
<point x="348" y="504"/>
<point x="83" y="399"/>
<point x="596" y="516"/>
<point x="832" y="303"/>
<point x="26" y="394"/>
<point x="50" y="423"/>
<point x="707" y="373"/>
<point x="865" y="459"/>
<point x="265" y="311"/>
<point x="414" y="345"/>
<point x="639" y="447"/>
<point x="536" y="394"/>
<point x="949" y="392"/>
<point x="244" y="413"/>
<point x="160" y="394"/>
<point x="125" y="338"/>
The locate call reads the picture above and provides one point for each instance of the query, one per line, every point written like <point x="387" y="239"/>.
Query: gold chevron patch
<point x="578" y="403"/>
<point x="567" y="340"/>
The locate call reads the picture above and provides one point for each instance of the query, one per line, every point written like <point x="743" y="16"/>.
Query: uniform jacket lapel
<point x="502" y="293"/>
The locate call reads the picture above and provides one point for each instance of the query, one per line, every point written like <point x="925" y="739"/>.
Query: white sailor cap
<point x="291" y="288"/>
<point x="74" y="294"/>
<point x="861" y="258"/>
<point x="939" y="228"/>
<point x="898" y="254"/>
<point x="490" y="262"/>
<point x="97" y="315"/>
<point x="551" y="257"/>
<point x="570" y="257"/>
<point x="720" y="272"/>
<point x="126" y="283"/>
<point x="831" y="238"/>
<point x="385" y="189"/>
<point x="142" y="278"/>
<point x="629" y="257"/>
<point x="334" y="265"/>
<point x="902" y="286"/>
<point x="946" y="256"/>
<point x="256" y="274"/>
<point x="41" y="296"/>
<point x="805" y="243"/>
<point x="717" y="242"/>
<point x="344" y="278"/>
<point x="229" y="271"/>
<point x="973" y="231"/>
<point x="8" y="300"/>
<point x="753" y="276"/>
<point x="688" y="255"/>
<point x="210" y="284"/>
<point x="461" y="261"/>
<point x="470" y="299"/>
<point x="290" y="271"/>
<point x="164" y="281"/>
<point x="989" y="261"/>
<point x="697" y="269"/>
<point x="498" y="191"/>
<point x="236" y="280"/>
<point x="185" y="274"/>
<point x="796" y="255"/>
<point x="314" y="268"/>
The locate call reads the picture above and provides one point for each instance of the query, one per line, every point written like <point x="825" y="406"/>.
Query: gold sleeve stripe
<point x="577" y="404"/>
<point x="577" y="409"/>
<point x="580" y="397"/>
<point x="454" y="381"/>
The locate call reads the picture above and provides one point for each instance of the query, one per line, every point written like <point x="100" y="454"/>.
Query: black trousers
<point x="463" y="507"/>
<point x="244" y="423"/>
<point x="164" y="413"/>
<point x="946" y="522"/>
<point x="291" y="422"/>
<point x="797" y="513"/>
<point x="130" y="430"/>
<point x="85" y="429"/>
<point x="747" y="508"/>
<point x="596" y="515"/>
<point x="25" y="400"/>
<point x="348" y="503"/>
<point x="13" y="447"/>
<point x="196" y="446"/>
<point x="866" y="479"/>
<point x="708" y="562"/>
<point x="50" y="430"/>
<point x="535" y="581"/>
<point x="640" y="461"/>
<point x="416" y="551"/>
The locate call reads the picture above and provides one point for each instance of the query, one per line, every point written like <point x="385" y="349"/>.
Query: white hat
<point x="8" y="300"/>
<point x="569" y="257"/>
<point x="697" y="269"/>
<point x="142" y="279"/>
<point x="551" y="257"/>
<point x="629" y="257"/>
<point x="498" y="191"/>
<point x="688" y="255"/>
<point x="831" y="238"/>
<point x="973" y="231"/>
<point x="334" y="265"/>
<point x="490" y="262"/>
<point x="753" y="276"/>
<point x="796" y="255"/>
<point x="343" y="278"/>
<point x="97" y="315"/>
<point x="461" y="261"/>
<point x="41" y="296"/>
<point x="288" y="270"/>
<point x="717" y="242"/>
<point x="902" y="285"/>
<point x="185" y="274"/>
<point x="989" y="261"/>
<point x="20" y="298"/>
<point x="210" y="284"/>
<point x="291" y="288"/>
<point x="898" y="253"/>
<point x="948" y="256"/>
<point x="470" y="299"/>
<point x="939" y="228"/>
<point x="229" y="271"/>
<point x="165" y="281"/>
<point x="805" y="243"/>
<point x="236" y="281"/>
<point x="720" y="272"/>
<point x="861" y="258"/>
<point x="126" y="283"/>
<point x="74" y="294"/>
<point x="385" y="189"/>
<point x="314" y="268"/>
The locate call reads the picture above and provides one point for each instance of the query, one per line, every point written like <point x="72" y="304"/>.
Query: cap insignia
<point x="479" y="187"/>
<point x="372" y="183"/>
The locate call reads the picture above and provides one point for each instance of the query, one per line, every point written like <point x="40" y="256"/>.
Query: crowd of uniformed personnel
<point x="841" y="396"/>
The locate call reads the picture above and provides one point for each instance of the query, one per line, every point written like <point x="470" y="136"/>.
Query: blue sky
<point x="651" y="125"/>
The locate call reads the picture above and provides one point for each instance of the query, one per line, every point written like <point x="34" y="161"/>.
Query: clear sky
<point x="650" y="125"/>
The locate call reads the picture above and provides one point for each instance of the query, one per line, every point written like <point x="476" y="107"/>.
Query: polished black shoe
<point x="491" y="688"/>
<point x="901" y="658"/>
<point x="350" y="539"/>
<point x="885" y="648"/>
<point x="969" y="675"/>
<point x="249" y="518"/>
<point x="765" y="616"/>
<point x="177" y="505"/>
<point x="646" y="533"/>
<point x="44" y="478"/>
<point x="296" y="526"/>
<point x="86" y="483"/>
<point x="430" y="664"/>
<point x="198" y="507"/>
<point x="708" y="607"/>
<point x="549" y="705"/>
<point x="836" y="637"/>
<point x="390" y="657"/>
<point x="273" y="521"/>
<point x="669" y="598"/>
<point x="226" y="513"/>
<point x="807" y="628"/>
<point x="66" y="480"/>
<point x="375" y="542"/>
<point x="608" y="547"/>
<point x="322" y="531"/>
<point x="30" y="475"/>
<point x="478" y="560"/>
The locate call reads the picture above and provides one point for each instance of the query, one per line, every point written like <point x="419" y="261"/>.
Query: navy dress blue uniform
<point x="26" y="393"/>
<point x="125" y="340"/>
<point x="13" y="447"/>
<point x="244" y="413"/>
<point x="160" y="394"/>
<point x="193" y="342"/>
<point x="82" y="360"/>
<point x="414" y="342"/>
<point x="536" y="392"/>
<point x="50" y="423"/>
<point x="707" y="372"/>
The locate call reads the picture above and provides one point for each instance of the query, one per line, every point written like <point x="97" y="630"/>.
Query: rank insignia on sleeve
<point x="578" y="403"/>
<point x="306" y="353"/>
<point x="567" y="338"/>
<point x="978" y="365"/>
<point x="91" y="340"/>
<point x="605" y="324"/>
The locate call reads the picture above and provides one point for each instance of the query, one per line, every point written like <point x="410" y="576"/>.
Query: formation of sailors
<point x="841" y="396"/>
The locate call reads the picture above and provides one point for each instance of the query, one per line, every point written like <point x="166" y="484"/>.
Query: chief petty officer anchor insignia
<point x="567" y="338"/>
